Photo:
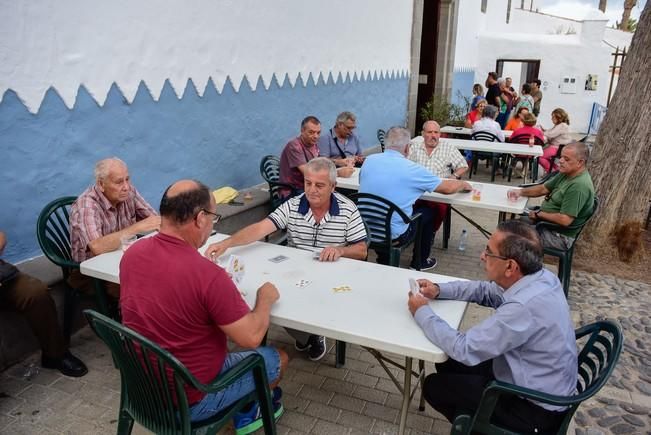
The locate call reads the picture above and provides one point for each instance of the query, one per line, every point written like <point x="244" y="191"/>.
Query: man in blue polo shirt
<point x="319" y="220"/>
<point x="394" y="177"/>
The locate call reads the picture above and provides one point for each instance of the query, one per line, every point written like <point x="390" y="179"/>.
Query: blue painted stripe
<point x="217" y="138"/>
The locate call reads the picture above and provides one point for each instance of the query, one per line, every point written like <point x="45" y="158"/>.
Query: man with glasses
<point x="189" y="306"/>
<point x="319" y="220"/>
<point x="569" y="198"/>
<point x="103" y="214"/>
<point x="341" y="144"/>
<point x="528" y="341"/>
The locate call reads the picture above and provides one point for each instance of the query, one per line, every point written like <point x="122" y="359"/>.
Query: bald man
<point x="188" y="305"/>
<point x="108" y="210"/>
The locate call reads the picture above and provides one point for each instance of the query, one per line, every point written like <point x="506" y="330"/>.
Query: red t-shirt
<point x="177" y="298"/>
<point x="295" y="154"/>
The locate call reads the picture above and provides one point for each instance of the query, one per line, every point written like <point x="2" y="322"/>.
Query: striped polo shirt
<point x="342" y="225"/>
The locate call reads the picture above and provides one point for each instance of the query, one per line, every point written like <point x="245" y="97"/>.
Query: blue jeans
<point x="212" y="403"/>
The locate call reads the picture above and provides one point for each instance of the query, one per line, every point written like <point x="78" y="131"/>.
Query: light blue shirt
<point x="328" y="148"/>
<point x="396" y="178"/>
<point x="530" y="337"/>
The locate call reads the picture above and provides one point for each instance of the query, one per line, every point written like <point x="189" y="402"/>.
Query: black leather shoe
<point x="69" y="365"/>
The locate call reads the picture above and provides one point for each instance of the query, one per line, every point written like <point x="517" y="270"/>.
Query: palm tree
<point x="626" y="15"/>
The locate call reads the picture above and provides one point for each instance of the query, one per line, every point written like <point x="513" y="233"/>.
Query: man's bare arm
<point x="250" y="330"/>
<point x="534" y="191"/>
<point x="452" y="186"/>
<point x="246" y="235"/>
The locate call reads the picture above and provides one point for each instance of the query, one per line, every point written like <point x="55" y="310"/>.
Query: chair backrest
<point x="380" y="137"/>
<point x="53" y="232"/>
<point x="485" y="136"/>
<point x="270" y="168"/>
<point x="598" y="356"/>
<point x="377" y="213"/>
<point x="152" y="379"/>
<point x="595" y="205"/>
<point x="524" y="139"/>
<point x="270" y="171"/>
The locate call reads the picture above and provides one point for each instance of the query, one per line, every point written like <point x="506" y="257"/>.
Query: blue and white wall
<point x="198" y="89"/>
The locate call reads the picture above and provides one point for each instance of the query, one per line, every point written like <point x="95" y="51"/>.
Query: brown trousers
<point x="29" y="297"/>
<point x="85" y="285"/>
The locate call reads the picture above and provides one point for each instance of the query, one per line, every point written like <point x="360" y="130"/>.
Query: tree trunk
<point x="602" y="5"/>
<point x="626" y="15"/>
<point x="621" y="160"/>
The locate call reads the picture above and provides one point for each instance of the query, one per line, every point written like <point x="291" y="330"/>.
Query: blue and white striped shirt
<point x="342" y="225"/>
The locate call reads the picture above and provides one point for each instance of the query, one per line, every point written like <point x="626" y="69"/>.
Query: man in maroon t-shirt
<point x="301" y="150"/>
<point x="182" y="301"/>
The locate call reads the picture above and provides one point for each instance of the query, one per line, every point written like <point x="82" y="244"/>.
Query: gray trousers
<point x="549" y="238"/>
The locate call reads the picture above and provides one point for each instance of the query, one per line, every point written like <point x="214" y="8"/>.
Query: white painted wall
<point x="482" y="38"/>
<point x="66" y="43"/>
<point x="559" y="55"/>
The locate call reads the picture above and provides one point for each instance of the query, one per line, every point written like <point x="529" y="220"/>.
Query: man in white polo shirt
<point x="442" y="159"/>
<point x="320" y="220"/>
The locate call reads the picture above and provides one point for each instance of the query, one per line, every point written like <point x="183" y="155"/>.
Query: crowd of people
<point x="177" y="297"/>
<point x="503" y="109"/>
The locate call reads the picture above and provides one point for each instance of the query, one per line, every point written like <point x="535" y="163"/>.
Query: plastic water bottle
<point x="463" y="239"/>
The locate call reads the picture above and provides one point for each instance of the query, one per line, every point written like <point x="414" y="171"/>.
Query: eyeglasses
<point x="490" y="254"/>
<point x="216" y="217"/>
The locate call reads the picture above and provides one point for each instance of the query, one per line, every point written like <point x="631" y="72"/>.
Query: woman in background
<point x="559" y="134"/>
<point x="517" y="121"/>
<point x="476" y="114"/>
<point x="477" y="94"/>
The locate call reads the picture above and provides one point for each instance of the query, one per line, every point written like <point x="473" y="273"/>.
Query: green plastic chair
<point x="596" y="361"/>
<point x="270" y="172"/>
<point x="381" y="134"/>
<point x="159" y="403"/>
<point x="53" y="234"/>
<point x="565" y="256"/>
<point x="377" y="213"/>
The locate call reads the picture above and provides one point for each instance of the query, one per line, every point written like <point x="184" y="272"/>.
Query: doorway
<point x="520" y="70"/>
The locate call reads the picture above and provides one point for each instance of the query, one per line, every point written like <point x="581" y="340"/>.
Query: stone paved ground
<point x="358" y="398"/>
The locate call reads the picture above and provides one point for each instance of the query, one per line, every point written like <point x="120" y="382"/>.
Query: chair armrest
<point x="556" y="227"/>
<point x="232" y="375"/>
<point x="283" y="185"/>
<point x="414" y="217"/>
<point x="498" y="388"/>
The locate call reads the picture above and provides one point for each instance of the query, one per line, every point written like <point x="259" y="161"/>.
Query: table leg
<point x="447" y="223"/>
<point x="501" y="217"/>
<point x="406" y="396"/>
<point x="534" y="170"/>
<point x="421" y="381"/>
<point x="340" y="354"/>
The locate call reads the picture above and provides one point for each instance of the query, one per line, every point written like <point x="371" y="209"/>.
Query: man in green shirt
<point x="569" y="197"/>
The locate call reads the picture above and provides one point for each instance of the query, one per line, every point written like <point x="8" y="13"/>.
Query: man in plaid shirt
<point x="104" y="213"/>
<point x="442" y="159"/>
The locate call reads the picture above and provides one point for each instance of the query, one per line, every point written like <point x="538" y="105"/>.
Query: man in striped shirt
<point x="319" y="220"/>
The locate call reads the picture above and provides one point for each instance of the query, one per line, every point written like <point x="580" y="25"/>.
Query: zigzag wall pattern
<point x="216" y="137"/>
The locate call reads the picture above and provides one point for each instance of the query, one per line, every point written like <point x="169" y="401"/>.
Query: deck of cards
<point x="341" y="288"/>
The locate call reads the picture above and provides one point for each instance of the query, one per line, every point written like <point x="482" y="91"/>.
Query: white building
<point x="563" y="53"/>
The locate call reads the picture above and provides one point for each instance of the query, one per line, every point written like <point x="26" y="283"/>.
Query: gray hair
<point x="345" y="116"/>
<point x="319" y="164"/>
<point x="490" y="111"/>
<point x="522" y="244"/>
<point x="103" y="167"/>
<point x="501" y="81"/>
<point x="397" y="138"/>
<point x="581" y="150"/>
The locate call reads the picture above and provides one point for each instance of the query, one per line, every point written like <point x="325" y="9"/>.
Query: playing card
<point x="234" y="266"/>
<point x="303" y="283"/>
<point x="414" y="288"/>
<point x="278" y="258"/>
<point x="341" y="288"/>
<point x="316" y="255"/>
